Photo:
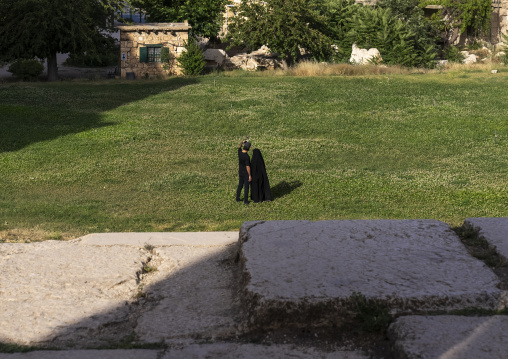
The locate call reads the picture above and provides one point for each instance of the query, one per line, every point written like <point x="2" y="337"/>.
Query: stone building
<point x="142" y="44"/>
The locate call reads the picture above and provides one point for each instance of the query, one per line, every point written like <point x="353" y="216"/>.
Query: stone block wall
<point x="499" y="19"/>
<point x="133" y="37"/>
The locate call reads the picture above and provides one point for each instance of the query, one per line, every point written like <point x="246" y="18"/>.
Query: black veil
<point x="260" y="186"/>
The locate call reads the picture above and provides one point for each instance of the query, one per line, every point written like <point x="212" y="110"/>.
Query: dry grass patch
<point x="32" y="235"/>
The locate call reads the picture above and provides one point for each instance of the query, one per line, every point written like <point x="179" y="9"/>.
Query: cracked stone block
<point x="450" y="337"/>
<point x="55" y="289"/>
<point x="298" y="272"/>
<point x="495" y="231"/>
<point x="192" y="293"/>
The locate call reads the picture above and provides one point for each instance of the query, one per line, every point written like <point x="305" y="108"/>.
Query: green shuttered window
<point x="150" y="53"/>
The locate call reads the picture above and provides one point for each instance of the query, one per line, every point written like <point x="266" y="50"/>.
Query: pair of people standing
<point x="252" y="173"/>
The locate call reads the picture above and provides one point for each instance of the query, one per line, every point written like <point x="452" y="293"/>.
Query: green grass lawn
<point x="81" y="157"/>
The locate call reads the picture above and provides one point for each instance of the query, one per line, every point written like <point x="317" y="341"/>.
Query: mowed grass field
<point x="83" y="157"/>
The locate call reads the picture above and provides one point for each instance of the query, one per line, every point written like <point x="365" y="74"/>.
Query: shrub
<point x="504" y="56"/>
<point x="453" y="54"/>
<point x="192" y="60"/>
<point x="26" y="70"/>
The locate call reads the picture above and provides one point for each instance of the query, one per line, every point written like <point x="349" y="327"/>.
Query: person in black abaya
<point x="260" y="186"/>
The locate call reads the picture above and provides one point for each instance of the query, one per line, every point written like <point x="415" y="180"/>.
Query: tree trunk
<point x="52" y="67"/>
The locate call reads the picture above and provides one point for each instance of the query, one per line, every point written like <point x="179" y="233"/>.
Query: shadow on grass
<point x="284" y="188"/>
<point x="35" y="112"/>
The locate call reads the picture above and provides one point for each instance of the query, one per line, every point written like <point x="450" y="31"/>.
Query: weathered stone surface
<point x="191" y="239"/>
<point x="195" y="351"/>
<point x="363" y="56"/>
<point x="247" y="351"/>
<point x="52" y="287"/>
<point x="469" y="58"/>
<point x="450" y="337"/>
<point x="495" y="231"/>
<point x="85" y="354"/>
<point x="253" y="61"/>
<point x="195" y="295"/>
<point x="306" y="271"/>
<point x="216" y="55"/>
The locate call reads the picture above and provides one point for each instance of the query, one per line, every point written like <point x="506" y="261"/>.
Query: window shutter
<point x="143" y="54"/>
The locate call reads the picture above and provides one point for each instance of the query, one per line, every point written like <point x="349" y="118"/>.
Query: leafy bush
<point x="453" y="54"/>
<point x="26" y="70"/>
<point x="192" y="60"/>
<point x="286" y="27"/>
<point x="504" y="57"/>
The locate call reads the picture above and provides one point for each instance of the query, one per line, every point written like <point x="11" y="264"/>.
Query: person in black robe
<point x="260" y="186"/>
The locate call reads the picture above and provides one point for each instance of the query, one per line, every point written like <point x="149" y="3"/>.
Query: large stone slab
<point x="495" y="231"/>
<point x="194" y="291"/>
<point x="450" y="337"/>
<point x="302" y="271"/>
<point x="51" y="289"/>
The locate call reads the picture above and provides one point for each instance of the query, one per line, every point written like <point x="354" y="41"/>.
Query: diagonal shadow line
<point x="36" y="118"/>
<point x="194" y="296"/>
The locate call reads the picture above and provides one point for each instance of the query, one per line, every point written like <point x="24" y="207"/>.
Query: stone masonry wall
<point x="171" y="35"/>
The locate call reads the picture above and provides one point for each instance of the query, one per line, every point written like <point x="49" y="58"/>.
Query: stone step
<point x="450" y="337"/>
<point x="495" y="231"/>
<point x="298" y="272"/>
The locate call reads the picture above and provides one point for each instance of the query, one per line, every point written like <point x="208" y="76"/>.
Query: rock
<point x="196" y="295"/>
<point x="494" y="230"/>
<point x="450" y="337"/>
<point x="305" y="272"/>
<point x="363" y="56"/>
<point x="57" y="289"/>
<point x="442" y="63"/>
<point x="216" y="55"/>
<point x="470" y="59"/>
<point x="250" y="63"/>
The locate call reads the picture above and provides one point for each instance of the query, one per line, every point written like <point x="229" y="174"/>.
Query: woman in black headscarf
<point x="260" y="187"/>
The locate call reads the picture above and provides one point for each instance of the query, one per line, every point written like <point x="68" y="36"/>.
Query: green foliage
<point x="26" y="70"/>
<point x="504" y="57"/>
<point x="192" y="60"/>
<point x="470" y="16"/>
<point x="377" y="27"/>
<point x="205" y="16"/>
<point x="373" y="315"/>
<point x="107" y="54"/>
<point x="286" y="27"/>
<point x="43" y="28"/>
<point x="453" y="54"/>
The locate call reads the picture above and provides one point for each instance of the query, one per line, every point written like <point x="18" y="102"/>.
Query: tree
<point x="43" y="28"/>
<point x="287" y="27"/>
<point x="205" y="16"/>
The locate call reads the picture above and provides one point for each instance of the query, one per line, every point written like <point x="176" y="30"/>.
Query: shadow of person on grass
<point x="31" y="113"/>
<point x="284" y="188"/>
